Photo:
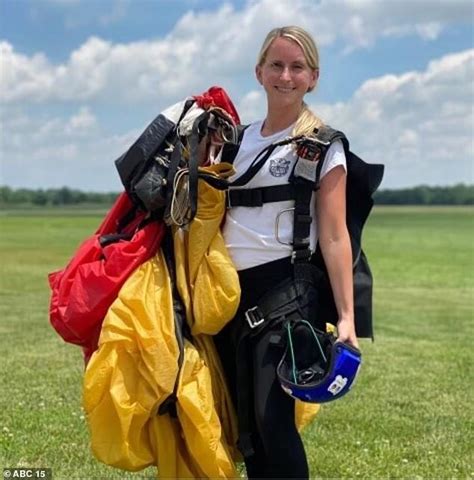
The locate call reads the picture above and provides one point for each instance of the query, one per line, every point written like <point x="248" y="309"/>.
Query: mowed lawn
<point x="409" y="416"/>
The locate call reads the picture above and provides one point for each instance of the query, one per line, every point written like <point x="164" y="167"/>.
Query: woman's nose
<point x="285" y="73"/>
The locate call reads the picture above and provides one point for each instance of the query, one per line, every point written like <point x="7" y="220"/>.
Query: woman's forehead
<point x="285" y="48"/>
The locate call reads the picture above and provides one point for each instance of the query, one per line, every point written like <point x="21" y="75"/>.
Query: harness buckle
<point x="277" y="225"/>
<point x="253" y="318"/>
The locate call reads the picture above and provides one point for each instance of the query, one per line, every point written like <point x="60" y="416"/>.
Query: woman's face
<point x="285" y="74"/>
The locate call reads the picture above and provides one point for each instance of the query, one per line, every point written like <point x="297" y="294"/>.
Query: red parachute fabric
<point x="84" y="290"/>
<point x="217" y="97"/>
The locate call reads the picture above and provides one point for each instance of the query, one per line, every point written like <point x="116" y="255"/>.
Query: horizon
<point x="117" y="192"/>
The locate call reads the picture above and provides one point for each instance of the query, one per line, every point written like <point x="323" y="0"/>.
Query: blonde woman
<point x="287" y="69"/>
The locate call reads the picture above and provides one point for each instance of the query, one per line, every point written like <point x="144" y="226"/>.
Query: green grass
<point x="409" y="416"/>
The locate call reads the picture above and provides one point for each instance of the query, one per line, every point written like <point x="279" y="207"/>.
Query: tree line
<point x="460" y="194"/>
<point x="421" y="195"/>
<point x="64" y="196"/>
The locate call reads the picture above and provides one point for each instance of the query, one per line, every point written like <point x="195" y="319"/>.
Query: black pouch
<point x="151" y="187"/>
<point x="292" y="299"/>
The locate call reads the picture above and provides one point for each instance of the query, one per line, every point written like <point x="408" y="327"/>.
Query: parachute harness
<point x="161" y="170"/>
<point x="214" y="127"/>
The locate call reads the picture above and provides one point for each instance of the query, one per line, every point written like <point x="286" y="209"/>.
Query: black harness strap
<point x="256" y="197"/>
<point x="181" y="327"/>
<point x="175" y="160"/>
<point x="215" y="182"/>
<point x="301" y="222"/>
<point x="229" y="150"/>
<point x="197" y="133"/>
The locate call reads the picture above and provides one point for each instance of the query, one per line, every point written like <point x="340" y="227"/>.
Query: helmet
<point x="315" y="367"/>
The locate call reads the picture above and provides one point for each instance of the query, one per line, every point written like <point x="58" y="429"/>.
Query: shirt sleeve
<point x="335" y="156"/>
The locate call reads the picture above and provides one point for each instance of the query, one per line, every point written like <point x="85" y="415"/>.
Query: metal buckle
<point x="253" y="319"/>
<point x="277" y="225"/>
<point x="317" y="140"/>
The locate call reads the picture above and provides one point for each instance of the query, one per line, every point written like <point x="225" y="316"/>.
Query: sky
<point x="81" y="79"/>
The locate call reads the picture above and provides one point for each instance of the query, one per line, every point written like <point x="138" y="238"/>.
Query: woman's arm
<point x="336" y="248"/>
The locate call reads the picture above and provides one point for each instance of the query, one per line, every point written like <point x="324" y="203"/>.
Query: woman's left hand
<point x="346" y="332"/>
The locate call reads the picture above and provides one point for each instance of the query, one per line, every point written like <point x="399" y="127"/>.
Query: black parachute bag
<point x="144" y="167"/>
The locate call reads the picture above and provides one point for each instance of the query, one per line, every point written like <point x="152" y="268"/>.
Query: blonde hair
<point x="307" y="121"/>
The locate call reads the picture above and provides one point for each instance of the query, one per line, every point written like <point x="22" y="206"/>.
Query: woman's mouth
<point x="285" y="89"/>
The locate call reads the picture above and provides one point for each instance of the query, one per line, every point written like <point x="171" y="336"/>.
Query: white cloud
<point x="51" y="152"/>
<point x="81" y="123"/>
<point x="23" y="77"/>
<point x="209" y="47"/>
<point x="251" y="106"/>
<point x="360" y="23"/>
<point x="420" y="124"/>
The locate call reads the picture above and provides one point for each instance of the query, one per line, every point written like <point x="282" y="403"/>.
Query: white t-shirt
<point x="250" y="233"/>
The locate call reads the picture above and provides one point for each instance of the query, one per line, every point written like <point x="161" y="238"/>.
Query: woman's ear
<point x="314" y="80"/>
<point x="258" y="73"/>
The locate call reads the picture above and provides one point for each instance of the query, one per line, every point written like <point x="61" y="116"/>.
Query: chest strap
<point x="256" y="197"/>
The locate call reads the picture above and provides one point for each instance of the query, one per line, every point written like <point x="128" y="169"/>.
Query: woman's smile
<point x="285" y="89"/>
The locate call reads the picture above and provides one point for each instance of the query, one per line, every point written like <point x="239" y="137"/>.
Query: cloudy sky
<point x="80" y="79"/>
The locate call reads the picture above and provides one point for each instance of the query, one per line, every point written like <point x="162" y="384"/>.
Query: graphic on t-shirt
<point x="279" y="167"/>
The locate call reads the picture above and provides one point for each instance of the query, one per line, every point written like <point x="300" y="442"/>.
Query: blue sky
<point x="81" y="78"/>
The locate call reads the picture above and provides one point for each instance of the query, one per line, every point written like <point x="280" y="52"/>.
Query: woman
<point x="287" y="69"/>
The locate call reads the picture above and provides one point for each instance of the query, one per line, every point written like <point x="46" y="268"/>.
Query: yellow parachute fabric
<point x="134" y="371"/>
<point x="136" y="365"/>
<point x="206" y="277"/>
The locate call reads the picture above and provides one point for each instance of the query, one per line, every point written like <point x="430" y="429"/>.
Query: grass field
<point x="410" y="415"/>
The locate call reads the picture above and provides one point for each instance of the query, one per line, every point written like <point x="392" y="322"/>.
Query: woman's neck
<point x="278" y="120"/>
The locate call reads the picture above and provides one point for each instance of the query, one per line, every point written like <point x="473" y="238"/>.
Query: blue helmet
<point x="315" y="367"/>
